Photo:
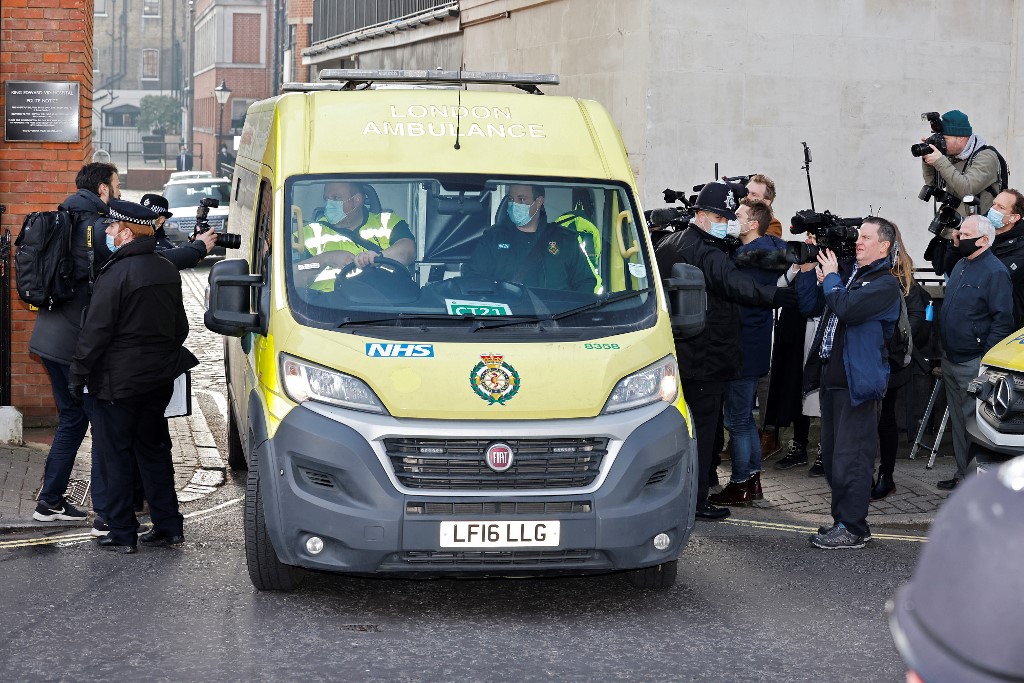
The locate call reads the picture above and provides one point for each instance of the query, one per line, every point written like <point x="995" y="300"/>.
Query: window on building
<point x="150" y="8"/>
<point x="150" y="64"/>
<point x="99" y="7"/>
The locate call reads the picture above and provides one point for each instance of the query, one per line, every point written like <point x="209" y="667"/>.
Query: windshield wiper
<point x="569" y="312"/>
<point x="352" y="322"/>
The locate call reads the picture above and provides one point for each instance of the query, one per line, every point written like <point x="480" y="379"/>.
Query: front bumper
<point x="324" y="476"/>
<point x="988" y="447"/>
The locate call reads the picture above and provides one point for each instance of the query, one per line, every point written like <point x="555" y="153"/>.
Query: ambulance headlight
<point x="656" y="382"/>
<point x="304" y="381"/>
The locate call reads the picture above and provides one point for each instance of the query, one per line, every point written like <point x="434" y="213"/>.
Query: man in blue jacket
<point x="859" y="303"/>
<point x="976" y="313"/>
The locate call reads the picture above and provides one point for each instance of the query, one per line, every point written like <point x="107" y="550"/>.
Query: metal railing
<point x="333" y="18"/>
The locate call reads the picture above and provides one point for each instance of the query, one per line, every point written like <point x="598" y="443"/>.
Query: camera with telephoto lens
<point x="947" y="216"/>
<point x="830" y="232"/>
<point x="922" y="148"/>
<point x="225" y="240"/>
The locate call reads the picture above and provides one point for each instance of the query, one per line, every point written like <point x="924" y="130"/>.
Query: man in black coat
<point x="184" y="160"/>
<point x="710" y="360"/>
<point x="128" y="354"/>
<point x="1005" y="214"/>
<point x="53" y="340"/>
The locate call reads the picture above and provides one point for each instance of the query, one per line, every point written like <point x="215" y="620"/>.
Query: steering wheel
<point x="384" y="282"/>
<point x="383" y="263"/>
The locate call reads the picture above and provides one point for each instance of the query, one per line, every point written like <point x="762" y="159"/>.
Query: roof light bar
<point x="354" y="77"/>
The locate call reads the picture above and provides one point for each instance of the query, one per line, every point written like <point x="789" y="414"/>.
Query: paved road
<point x="750" y="604"/>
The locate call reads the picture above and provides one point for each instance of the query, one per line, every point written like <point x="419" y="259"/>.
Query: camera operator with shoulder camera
<point x="711" y="359"/>
<point x="860" y="304"/>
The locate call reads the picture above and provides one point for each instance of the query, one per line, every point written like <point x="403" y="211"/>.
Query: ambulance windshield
<point x="465" y="254"/>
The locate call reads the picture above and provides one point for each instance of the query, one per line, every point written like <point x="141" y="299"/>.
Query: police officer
<point x="348" y="233"/>
<point x="710" y="360"/>
<point x="523" y="247"/>
<point x="187" y="255"/>
<point x="128" y="354"/>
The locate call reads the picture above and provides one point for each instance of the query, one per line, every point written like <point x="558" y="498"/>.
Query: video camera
<point x="936" y="138"/>
<point x="226" y="240"/>
<point x="663" y="222"/>
<point x="947" y="216"/>
<point x="830" y="232"/>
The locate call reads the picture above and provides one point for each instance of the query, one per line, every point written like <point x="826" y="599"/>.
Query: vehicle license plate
<point x="499" y="534"/>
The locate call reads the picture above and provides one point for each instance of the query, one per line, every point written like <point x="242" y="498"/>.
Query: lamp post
<point x="222" y="92"/>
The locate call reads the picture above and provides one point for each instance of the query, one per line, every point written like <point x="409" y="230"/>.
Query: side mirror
<point x="228" y="310"/>
<point x="687" y="300"/>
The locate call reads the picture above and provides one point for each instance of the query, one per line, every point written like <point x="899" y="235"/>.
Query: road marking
<point x="74" y="538"/>
<point x="796" y="529"/>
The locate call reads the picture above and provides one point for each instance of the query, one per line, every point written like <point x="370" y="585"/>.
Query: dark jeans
<point x="849" y="443"/>
<point x="888" y="432"/>
<point x="67" y="439"/>
<point x="135" y="431"/>
<point x="705" y="402"/>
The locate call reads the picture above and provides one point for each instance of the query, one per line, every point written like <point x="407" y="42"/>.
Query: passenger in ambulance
<point x="349" y="232"/>
<point x="523" y="247"/>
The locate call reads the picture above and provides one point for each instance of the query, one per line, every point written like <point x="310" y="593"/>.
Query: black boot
<point x="883" y="487"/>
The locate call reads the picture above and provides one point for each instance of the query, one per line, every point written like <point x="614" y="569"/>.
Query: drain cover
<point x="78" y="489"/>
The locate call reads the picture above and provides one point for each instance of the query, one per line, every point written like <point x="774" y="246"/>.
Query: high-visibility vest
<point x="322" y="236"/>
<point x="584" y="228"/>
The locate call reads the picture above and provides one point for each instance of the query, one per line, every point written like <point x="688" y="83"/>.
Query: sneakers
<point x="63" y="511"/>
<point x="817" y="469"/>
<point x="796" y="456"/>
<point x="99" y="527"/>
<point x="837" y="538"/>
<point x="825" y="529"/>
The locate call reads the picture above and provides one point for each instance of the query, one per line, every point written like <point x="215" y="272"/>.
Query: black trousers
<point x="849" y="443"/>
<point x="888" y="432"/>
<point x="134" y="432"/>
<point x="705" y="401"/>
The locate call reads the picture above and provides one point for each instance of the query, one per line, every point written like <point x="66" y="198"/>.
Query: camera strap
<point x="1004" y="173"/>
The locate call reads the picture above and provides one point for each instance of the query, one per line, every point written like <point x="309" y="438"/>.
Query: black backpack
<point x="45" y="266"/>
<point x="901" y="343"/>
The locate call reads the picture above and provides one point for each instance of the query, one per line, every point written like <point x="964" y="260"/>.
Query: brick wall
<point x="43" y="40"/>
<point x="245" y="38"/>
<point x="300" y="13"/>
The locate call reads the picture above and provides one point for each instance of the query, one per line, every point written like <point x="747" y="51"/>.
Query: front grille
<point x="497" y="558"/>
<point x="498" y="508"/>
<point x="1013" y="425"/>
<point x="458" y="464"/>
<point x="320" y="479"/>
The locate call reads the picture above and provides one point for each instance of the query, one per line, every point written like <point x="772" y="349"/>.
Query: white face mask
<point x="733" y="228"/>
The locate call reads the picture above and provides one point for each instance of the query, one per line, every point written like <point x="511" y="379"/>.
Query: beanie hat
<point x="721" y="198"/>
<point x="956" y="124"/>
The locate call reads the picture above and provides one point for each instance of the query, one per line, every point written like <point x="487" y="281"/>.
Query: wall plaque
<point x="41" y="111"/>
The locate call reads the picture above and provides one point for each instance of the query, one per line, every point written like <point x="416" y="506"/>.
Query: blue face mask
<point x="719" y="230"/>
<point x="519" y="213"/>
<point x="110" y="244"/>
<point x="996" y="218"/>
<point x="334" y="210"/>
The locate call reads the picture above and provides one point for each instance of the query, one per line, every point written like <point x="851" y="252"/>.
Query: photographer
<point x="187" y="255"/>
<point x="714" y="357"/>
<point x="860" y="305"/>
<point x="967" y="166"/>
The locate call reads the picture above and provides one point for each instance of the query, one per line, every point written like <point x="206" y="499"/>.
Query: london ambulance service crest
<point x="494" y="380"/>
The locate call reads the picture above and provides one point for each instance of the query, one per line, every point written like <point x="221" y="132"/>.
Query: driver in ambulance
<point x="349" y="232"/>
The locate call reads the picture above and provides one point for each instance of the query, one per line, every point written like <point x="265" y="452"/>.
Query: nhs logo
<point x="400" y="350"/>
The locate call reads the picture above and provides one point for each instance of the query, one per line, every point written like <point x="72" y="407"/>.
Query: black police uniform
<point x="708" y="361"/>
<point x="129" y="353"/>
<point x="550" y="258"/>
<point x="187" y="255"/>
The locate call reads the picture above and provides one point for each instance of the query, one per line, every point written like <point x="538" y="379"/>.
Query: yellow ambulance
<point x="995" y="433"/>
<point x="419" y="383"/>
